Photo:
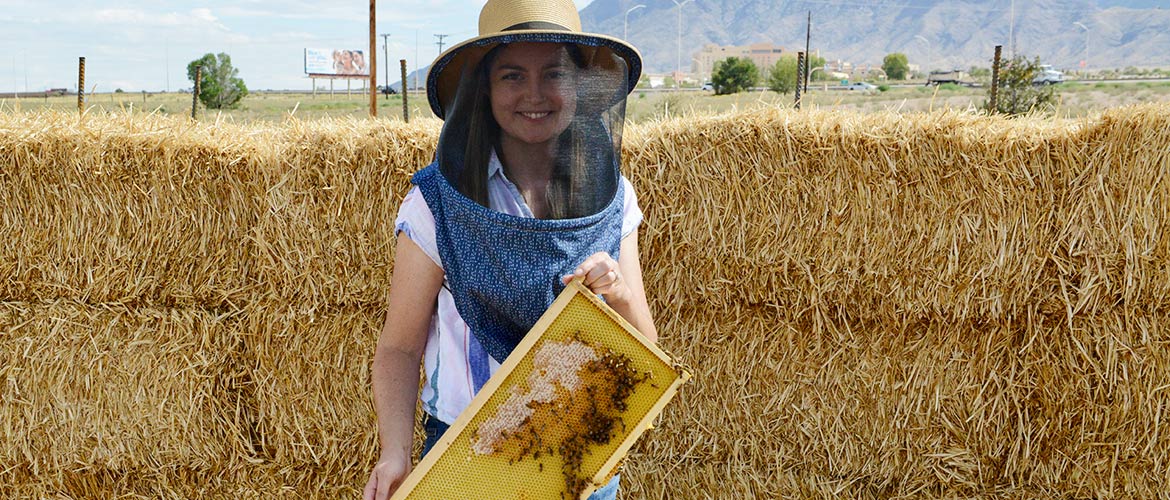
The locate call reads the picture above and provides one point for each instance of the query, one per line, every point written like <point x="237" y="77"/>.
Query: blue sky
<point x="145" y="45"/>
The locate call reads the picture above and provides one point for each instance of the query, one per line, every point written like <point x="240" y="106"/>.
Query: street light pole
<point x="929" y="52"/>
<point x="1085" y="63"/>
<point x="386" y="57"/>
<point x="626" y="25"/>
<point x="678" y="62"/>
<point x="1012" y="29"/>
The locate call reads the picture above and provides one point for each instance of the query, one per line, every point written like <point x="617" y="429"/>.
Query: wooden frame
<point x="574" y="289"/>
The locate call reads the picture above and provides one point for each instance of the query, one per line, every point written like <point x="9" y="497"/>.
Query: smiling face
<point x="532" y="87"/>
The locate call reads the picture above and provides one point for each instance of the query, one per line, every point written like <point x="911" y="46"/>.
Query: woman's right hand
<point x="389" y="473"/>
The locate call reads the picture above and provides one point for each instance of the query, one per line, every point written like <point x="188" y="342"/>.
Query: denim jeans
<point x="435" y="428"/>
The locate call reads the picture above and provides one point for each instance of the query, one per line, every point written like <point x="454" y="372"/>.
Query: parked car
<point x="1047" y="76"/>
<point x="708" y="86"/>
<point x="387" y="90"/>
<point x="864" y="87"/>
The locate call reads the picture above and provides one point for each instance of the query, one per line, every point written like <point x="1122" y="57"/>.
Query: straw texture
<point x="942" y="305"/>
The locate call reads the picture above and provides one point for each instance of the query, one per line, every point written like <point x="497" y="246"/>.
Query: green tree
<point x="220" y="86"/>
<point x="896" y="66"/>
<point x="1017" y="94"/>
<point x="734" y="74"/>
<point x="782" y="75"/>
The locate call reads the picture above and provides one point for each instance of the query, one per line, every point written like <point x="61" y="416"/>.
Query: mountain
<point x="958" y="33"/>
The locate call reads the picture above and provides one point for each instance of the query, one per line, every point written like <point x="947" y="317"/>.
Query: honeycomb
<point x="558" y="416"/>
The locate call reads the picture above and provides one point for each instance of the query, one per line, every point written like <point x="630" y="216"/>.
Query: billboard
<point x="340" y="62"/>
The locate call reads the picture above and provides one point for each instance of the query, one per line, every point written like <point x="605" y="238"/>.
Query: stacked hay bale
<point x="189" y="310"/>
<point x="929" y="305"/>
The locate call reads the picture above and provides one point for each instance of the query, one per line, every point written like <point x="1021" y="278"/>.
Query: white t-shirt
<point x="448" y="387"/>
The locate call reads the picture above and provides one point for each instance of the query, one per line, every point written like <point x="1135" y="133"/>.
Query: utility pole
<point x="440" y="42"/>
<point x="386" y="56"/>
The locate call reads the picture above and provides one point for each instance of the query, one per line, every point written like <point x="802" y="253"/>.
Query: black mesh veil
<point x="540" y="106"/>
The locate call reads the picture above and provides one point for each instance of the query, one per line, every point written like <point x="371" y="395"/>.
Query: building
<point x="764" y="55"/>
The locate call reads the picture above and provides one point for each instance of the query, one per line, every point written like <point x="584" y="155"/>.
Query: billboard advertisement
<point x="340" y="62"/>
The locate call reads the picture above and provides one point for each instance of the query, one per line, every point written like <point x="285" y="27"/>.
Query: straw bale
<point x="326" y="234"/>
<point x="942" y="305"/>
<point x="943" y="214"/>
<point x="126" y="210"/>
<point x="155" y="210"/>
<point x="311" y="378"/>
<point x="846" y="408"/>
<point x="257" y="482"/>
<point x="107" y="386"/>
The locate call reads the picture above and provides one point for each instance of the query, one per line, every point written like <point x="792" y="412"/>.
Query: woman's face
<point x="533" y="91"/>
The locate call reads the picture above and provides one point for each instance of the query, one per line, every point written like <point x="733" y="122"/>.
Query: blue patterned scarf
<point x="504" y="271"/>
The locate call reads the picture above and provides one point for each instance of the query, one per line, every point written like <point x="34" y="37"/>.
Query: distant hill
<point x="960" y="33"/>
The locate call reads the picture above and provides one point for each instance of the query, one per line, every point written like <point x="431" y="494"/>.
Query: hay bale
<point x="311" y="380"/>
<point x="257" y="482"/>
<point x="133" y="211"/>
<point x="159" y="211"/>
<point x="92" y="387"/>
<point x="940" y="305"/>
<point x="326" y="232"/>
<point x="945" y="214"/>
<point x="851" y="408"/>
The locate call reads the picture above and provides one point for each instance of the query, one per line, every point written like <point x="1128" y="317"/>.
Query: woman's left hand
<point x="603" y="276"/>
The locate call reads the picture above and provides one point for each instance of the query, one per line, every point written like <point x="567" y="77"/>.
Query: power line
<point x="440" y="42"/>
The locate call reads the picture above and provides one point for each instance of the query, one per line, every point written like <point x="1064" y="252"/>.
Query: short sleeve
<point x="416" y="221"/>
<point x="631" y="213"/>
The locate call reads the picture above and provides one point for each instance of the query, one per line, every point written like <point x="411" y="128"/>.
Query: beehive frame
<point x="451" y="470"/>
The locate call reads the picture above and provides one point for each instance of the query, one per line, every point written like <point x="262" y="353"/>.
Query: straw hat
<point x="507" y="21"/>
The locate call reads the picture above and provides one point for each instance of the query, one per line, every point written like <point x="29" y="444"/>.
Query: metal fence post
<point x="799" y="76"/>
<point x="80" y="85"/>
<point x="993" y="104"/>
<point x="195" y="94"/>
<point x="405" y="110"/>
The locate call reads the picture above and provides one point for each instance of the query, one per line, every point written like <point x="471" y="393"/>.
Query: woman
<point x="525" y="194"/>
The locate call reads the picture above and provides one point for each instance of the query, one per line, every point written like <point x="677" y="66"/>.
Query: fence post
<point x="195" y="94"/>
<point x="993" y="104"/>
<point x="81" y="85"/>
<point x="799" y="76"/>
<point x="405" y="110"/>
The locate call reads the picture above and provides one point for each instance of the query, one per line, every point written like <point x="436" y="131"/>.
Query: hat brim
<point x="443" y="76"/>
